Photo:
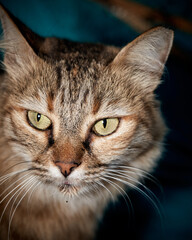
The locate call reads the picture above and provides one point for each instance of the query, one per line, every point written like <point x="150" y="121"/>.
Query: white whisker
<point x="150" y="200"/>
<point x="16" y="164"/>
<point x="11" y="186"/>
<point x="95" y="187"/>
<point x="18" y="186"/>
<point x="10" y="174"/>
<point x="140" y="172"/>
<point x="30" y="195"/>
<point x="121" y="191"/>
<point x="132" y="179"/>
<point x="23" y="188"/>
<point x="110" y="193"/>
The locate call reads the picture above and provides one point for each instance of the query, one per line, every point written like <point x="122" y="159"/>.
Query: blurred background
<point x="117" y="22"/>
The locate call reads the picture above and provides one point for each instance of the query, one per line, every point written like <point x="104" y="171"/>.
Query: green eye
<point x="38" y="120"/>
<point x="106" y="126"/>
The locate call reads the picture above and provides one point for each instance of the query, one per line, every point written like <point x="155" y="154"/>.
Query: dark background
<point x="91" y="21"/>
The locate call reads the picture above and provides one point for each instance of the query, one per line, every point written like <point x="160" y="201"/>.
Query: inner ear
<point x="26" y="41"/>
<point x="142" y="61"/>
<point x="34" y="40"/>
<point x="148" y="52"/>
<point x="18" y="40"/>
<point x="19" y="44"/>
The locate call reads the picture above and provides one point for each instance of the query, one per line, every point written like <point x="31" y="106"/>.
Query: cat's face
<point x="80" y="122"/>
<point x="87" y="125"/>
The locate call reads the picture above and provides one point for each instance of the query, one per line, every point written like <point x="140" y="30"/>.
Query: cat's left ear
<point x="145" y="57"/>
<point x="17" y="51"/>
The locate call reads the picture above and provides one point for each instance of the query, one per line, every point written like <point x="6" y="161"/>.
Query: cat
<point x="79" y="123"/>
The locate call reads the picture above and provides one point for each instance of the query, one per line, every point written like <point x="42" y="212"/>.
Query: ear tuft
<point x="17" y="51"/>
<point x="149" y="51"/>
<point x="143" y="59"/>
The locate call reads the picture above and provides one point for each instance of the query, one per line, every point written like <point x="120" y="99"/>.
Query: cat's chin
<point x="68" y="189"/>
<point x="73" y="191"/>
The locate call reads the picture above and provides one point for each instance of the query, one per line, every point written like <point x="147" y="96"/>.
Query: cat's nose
<point x="66" y="167"/>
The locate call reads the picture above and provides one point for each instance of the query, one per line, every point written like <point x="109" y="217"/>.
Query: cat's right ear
<point x="17" y="51"/>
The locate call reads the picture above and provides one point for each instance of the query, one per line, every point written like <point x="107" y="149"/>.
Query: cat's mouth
<point x="68" y="188"/>
<point x="65" y="185"/>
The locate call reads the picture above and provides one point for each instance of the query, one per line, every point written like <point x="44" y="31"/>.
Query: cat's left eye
<point x="106" y="126"/>
<point x="38" y="120"/>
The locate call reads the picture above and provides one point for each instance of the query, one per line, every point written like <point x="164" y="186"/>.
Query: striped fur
<point x="74" y="85"/>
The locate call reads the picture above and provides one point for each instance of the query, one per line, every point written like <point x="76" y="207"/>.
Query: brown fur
<point x="74" y="85"/>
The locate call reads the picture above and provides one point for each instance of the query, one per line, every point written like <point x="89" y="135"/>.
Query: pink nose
<point x="66" y="167"/>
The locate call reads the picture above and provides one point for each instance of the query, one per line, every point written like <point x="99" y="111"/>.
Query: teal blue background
<point x="79" y="20"/>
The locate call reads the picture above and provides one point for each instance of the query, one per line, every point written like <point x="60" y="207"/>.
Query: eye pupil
<point x="105" y="126"/>
<point x="104" y="123"/>
<point x="38" y="117"/>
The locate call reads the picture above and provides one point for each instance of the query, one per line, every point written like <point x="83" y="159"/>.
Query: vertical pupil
<point x="104" y="123"/>
<point x="38" y="117"/>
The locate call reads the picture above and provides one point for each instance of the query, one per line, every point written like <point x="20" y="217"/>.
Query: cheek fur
<point x="110" y="147"/>
<point x="22" y="136"/>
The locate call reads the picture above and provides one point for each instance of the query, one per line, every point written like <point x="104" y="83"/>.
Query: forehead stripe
<point x="96" y="106"/>
<point x="59" y="76"/>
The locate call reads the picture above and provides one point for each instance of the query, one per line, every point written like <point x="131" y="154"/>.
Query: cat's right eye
<point x="38" y="120"/>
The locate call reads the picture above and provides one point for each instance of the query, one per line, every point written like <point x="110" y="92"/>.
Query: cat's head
<point x="80" y="118"/>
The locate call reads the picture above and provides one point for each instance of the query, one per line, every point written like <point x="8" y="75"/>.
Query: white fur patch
<point x="55" y="172"/>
